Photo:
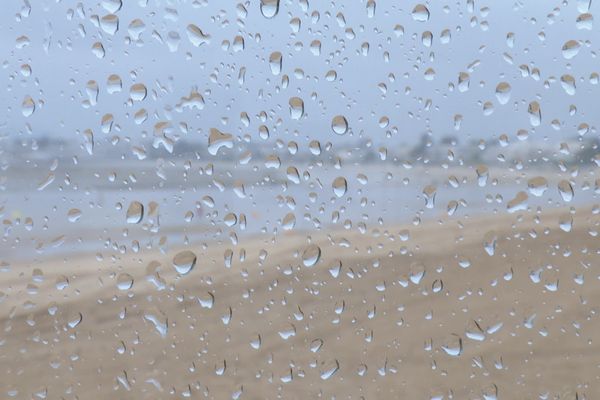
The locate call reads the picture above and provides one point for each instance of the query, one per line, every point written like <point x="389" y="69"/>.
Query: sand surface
<point x="474" y="326"/>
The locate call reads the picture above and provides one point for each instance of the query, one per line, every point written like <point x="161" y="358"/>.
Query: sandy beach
<point x="420" y="312"/>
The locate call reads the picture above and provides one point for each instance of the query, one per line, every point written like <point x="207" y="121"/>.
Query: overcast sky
<point x="62" y="62"/>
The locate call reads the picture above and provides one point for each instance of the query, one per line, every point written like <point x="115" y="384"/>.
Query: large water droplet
<point x="570" y="49"/>
<point x="453" y="346"/>
<point x="135" y="212"/>
<point x="429" y="192"/>
<point x="28" y="106"/>
<point x="159" y="320"/>
<point x="138" y="92"/>
<point x="275" y="62"/>
<point x="566" y="190"/>
<point x="339" y="125"/>
<point x="184" y="262"/>
<point x="503" y="92"/>
<point x="311" y="255"/>
<point x="420" y="13"/>
<point x="296" y="108"/>
<point x="537" y="185"/>
<point x="535" y="113"/>
<point x="339" y="185"/>
<point x="110" y="24"/>
<point x="196" y="36"/>
<point x="519" y="202"/>
<point x="218" y="139"/>
<point x="269" y="8"/>
<point x="568" y="84"/>
<point x="124" y="281"/>
<point x="330" y="369"/>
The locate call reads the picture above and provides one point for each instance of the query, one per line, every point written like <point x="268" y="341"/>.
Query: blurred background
<point x="291" y="199"/>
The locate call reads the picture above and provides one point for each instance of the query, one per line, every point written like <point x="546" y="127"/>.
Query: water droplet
<point x="275" y="62"/>
<point x="196" y="36"/>
<point x="289" y="221"/>
<point x="28" y="106"/>
<point x="566" y="190"/>
<point x="429" y="192"/>
<point x="339" y="185"/>
<point x="570" y="49"/>
<point x="74" y="214"/>
<point x="138" y="92"/>
<point x="339" y="125"/>
<point x="124" y="281"/>
<point x="453" y="345"/>
<point x="483" y="174"/>
<point x="135" y="212"/>
<point x="218" y="139"/>
<point x="585" y="21"/>
<point x="535" y="113"/>
<point x="537" y="186"/>
<point x="113" y="84"/>
<point x="74" y="320"/>
<point x="288" y="332"/>
<point x="184" y="262"/>
<point x="159" y="320"/>
<point x="110" y="24"/>
<point x="519" y="202"/>
<point x="568" y="84"/>
<point x="296" y="108"/>
<point x="269" y="8"/>
<point x="330" y="369"/>
<point x="420" y="13"/>
<point x="311" y="255"/>
<point x="503" y="92"/>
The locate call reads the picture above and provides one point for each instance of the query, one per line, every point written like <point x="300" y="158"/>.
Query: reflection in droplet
<point x="429" y="192"/>
<point x="566" y="190"/>
<point x="296" y="108"/>
<point x="74" y="320"/>
<point x="269" y="8"/>
<point x="28" y="106"/>
<point x="339" y="185"/>
<point x="453" y="346"/>
<point x="570" y="49"/>
<point x="135" y="212"/>
<point x="330" y="369"/>
<point x="568" y="84"/>
<point x="138" y="92"/>
<point x="196" y="36"/>
<point x="184" y="261"/>
<point x="74" y="214"/>
<point x="537" y="185"/>
<point x="503" y="92"/>
<point x="420" y="13"/>
<point x="124" y="281"/>
<point x="311" y="255"/>
<point x="535" y="113"/>
<point x="339" y="125"/>
<point x="275" y="62"/>
<point x="519" y="202"/>
<point x="218" y="139"/>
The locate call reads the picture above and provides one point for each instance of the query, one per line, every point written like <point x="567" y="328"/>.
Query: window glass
<point x="299" y="199"/>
